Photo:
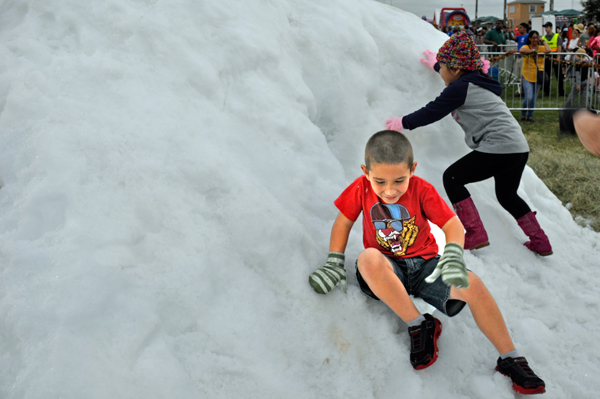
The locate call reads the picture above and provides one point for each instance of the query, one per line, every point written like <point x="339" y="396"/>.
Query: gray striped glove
<point x="452" y="267"/>
<point x="326" y="278"/>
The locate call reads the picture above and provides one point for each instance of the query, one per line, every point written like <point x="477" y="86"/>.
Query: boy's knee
<point x="476" y="289"/>
<point x="371" y="261"/>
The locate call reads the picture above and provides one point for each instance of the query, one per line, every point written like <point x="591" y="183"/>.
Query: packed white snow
<point x="168" y="173"/>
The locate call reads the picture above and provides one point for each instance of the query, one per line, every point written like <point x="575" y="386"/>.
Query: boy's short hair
<point x="388" y="147"/>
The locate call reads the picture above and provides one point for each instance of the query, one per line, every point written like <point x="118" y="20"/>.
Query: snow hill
<point x="168" y="172"/>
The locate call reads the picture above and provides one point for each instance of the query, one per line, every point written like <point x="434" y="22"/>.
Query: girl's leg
<point x="471" y="168"/>
<point x="486" y="313"/>
<point x="507" y="183"/>
<point x="506" y="169"/>
<point x="507" y="178"/>
<point x="378" y="273"/>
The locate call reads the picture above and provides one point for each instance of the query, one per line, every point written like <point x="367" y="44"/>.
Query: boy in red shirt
<point x="401" y="257"/>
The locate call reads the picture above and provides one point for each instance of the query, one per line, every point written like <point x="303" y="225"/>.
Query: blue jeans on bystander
<point x="531" y="90"/>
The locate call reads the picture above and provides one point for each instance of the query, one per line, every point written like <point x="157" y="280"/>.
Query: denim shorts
<point x="412" y="273"/>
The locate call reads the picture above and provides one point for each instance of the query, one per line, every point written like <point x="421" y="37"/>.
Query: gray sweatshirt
<point x="475" y="103"/>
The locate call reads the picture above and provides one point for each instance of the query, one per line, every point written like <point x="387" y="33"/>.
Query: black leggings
<point x="506" y="169"/>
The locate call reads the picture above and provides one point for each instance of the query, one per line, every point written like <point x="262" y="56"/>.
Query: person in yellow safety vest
<point x="551" y="64"/>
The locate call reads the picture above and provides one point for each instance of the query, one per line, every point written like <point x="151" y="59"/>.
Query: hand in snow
<point x="394" y="124"/>
<point x="430" y="58"/>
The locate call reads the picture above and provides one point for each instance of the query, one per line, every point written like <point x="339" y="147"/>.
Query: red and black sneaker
<point x="524" y="379"/>
<point x="423" y="342"/>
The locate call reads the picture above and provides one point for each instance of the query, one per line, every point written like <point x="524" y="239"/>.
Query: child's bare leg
<point x="485" y="312"/>
<point x="378" y="273"/>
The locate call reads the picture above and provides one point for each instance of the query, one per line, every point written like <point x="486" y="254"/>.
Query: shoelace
<point x="525" y="366"/>
<point x="416" y="339"/>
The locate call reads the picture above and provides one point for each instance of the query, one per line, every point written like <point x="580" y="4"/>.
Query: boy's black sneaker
<point x="524" y="379"/>
<point x="423" y="342"/>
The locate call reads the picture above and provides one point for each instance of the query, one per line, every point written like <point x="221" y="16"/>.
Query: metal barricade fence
<point x="594" y="86"/>
<point x="571" y="79"/>
<point x="500" y="49"/>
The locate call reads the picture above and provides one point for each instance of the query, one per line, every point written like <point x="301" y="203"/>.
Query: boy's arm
<point x="340" y="233"/>
<point x="327" y="277"/>
<point x="454" y="231"/>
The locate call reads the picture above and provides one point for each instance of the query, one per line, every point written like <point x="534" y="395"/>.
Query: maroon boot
<point x="539" y="240"/>
<point x="476" y="236"/>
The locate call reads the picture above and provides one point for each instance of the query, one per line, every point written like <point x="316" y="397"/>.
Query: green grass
<point x="567" y="169"/>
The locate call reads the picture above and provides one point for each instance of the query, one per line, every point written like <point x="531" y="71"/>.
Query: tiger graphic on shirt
<point x="395" y="229"/>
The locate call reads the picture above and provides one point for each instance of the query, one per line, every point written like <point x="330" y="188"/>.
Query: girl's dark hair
<point x="531" y="33"/>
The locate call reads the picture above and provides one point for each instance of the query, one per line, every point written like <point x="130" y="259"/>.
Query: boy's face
<point x="389" y="181"/>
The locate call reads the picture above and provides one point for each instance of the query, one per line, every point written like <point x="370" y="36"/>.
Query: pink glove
<point x="394" y="124"/>
<point x="430" y="58"/>
<point x="486" y="65"/>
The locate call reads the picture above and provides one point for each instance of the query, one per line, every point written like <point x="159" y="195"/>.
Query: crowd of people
<point x="581" y="40"/>
<point x="538" y="67"/>
<point x="582" y="35"/>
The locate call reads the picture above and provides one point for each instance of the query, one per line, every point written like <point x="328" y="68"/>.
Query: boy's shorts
<point x="412" y="273"/>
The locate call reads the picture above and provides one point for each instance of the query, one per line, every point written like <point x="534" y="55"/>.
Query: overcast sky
<point x="485" y="7"/>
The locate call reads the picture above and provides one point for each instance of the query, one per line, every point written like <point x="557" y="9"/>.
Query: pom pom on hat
<point x="460" y="52"/>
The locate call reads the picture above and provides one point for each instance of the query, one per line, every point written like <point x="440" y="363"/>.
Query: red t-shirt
<point x="401" y="229"/>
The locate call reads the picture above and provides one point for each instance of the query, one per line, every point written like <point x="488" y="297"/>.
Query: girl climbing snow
<point x="499" y="146"/>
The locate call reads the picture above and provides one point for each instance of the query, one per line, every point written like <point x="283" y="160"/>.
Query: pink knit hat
<point x="460" y="52"/>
